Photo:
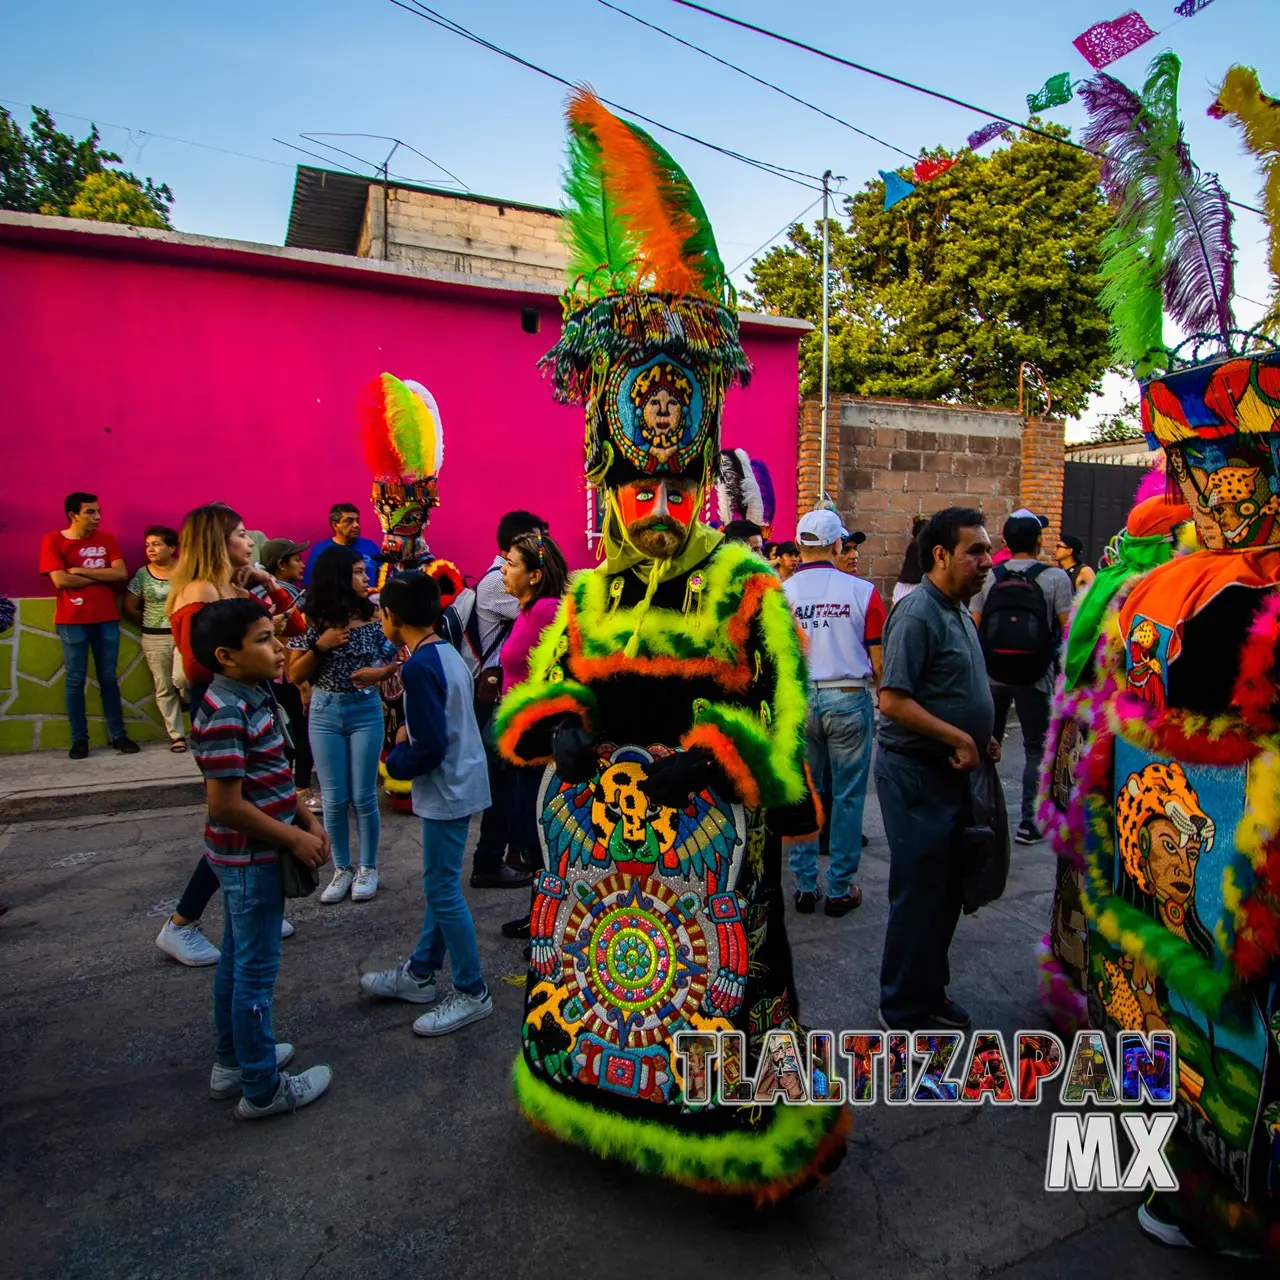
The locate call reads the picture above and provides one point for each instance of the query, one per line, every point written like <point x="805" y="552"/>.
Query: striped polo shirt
<point x="237" y="735"/>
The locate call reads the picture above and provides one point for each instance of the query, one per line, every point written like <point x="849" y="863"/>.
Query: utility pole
<point x="826" y="329"/>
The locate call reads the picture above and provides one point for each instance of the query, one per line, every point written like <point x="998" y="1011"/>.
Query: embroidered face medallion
<point x="659" y="415"/>
<point x="1231" y="488"/>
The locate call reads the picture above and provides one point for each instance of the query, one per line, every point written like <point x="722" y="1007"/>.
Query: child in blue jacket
<point x="440" y="751"/>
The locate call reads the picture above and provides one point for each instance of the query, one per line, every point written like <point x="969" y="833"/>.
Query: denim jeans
<point x="838" y="731"/>
<point x="1033" y="716"/>
<point x="104" y="639"/>
<point x="346" y="742"/>
<point x="923" y="806"/>
<point x="447" y="925"/>
<point x="495" y="822"/>
<point x="243" y="986"/>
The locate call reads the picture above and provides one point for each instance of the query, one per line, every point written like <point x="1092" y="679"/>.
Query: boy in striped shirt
<point x="253" y="814"/>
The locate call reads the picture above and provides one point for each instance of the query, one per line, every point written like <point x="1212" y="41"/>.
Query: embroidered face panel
<point x="1233" y="489"/>
<point x="659" y="414"/>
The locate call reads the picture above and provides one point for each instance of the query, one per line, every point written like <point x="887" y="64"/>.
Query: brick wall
<point x="889" y="461"/>
<point x="1040" y="479"/>
<point x="453" y="233"/>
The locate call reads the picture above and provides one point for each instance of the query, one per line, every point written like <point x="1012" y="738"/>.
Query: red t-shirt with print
<point x="96" y="603"/>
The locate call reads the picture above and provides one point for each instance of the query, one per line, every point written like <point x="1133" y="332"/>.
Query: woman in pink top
<point x="535" y="573"/>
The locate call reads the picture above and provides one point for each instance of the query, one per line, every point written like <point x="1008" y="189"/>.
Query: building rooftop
<point x="328" y="207"/>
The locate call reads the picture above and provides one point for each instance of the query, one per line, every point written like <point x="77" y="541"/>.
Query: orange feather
<point x="635" y="184"/>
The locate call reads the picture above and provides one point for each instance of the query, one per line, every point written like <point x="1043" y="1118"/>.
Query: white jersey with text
<point x="841" y="615"/>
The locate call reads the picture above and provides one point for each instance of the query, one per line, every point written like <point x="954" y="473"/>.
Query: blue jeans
<point x="838" y="731"/>
<point x="924" y="808"/>
<point x="346" y="741"/>
<point x="447" y="925"/>
<point x="252" y="908"/>
<point x="104" y="639"/>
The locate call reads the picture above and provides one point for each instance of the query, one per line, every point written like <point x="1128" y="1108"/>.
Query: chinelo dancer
<point x="668" y="700"/>
<point x="1171" y="789"/>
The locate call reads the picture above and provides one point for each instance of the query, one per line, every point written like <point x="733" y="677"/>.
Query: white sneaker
<point x="1158" y="1229"/>
<point x="294" y="1092"/>
<point x="187" y="944"/>
<point x="454" y="1011"/>
<point x="366" y="884"/>
<point x="286" y="929"/>
<point x="339" y="886"/>
<point x="226" y="1080"/>
<point x="399" y="984"/>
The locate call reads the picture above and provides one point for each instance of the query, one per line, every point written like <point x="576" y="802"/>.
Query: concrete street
<point x="115" y="1162"/>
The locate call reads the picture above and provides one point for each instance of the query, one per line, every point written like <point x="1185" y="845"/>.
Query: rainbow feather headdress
<point x="403" y="447"/>
<point x="649" y="343"/>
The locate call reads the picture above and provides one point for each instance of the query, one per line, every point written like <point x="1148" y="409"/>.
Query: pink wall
<point x="162" y="375"/>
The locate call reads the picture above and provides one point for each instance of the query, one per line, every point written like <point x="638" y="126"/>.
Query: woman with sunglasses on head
<point x="534" y="572"/>
<point x="215" y="562"/>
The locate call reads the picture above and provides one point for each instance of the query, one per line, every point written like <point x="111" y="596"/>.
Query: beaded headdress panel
<point x="649" y="344"/>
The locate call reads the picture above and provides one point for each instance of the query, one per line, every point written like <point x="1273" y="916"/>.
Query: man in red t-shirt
<point x="83" y="564"/>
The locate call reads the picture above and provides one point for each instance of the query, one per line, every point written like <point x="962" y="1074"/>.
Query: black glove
<point x="575" y="753"/>
<point x="673" y="779"/>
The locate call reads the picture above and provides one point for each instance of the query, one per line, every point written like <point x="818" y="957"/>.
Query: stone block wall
<point x="33" y="713"/>
<point x="889" y="461"/>
<point x="436" y="231"/>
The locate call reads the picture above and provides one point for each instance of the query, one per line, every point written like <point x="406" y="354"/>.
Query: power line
<point x="420" y="10"/>
<point x="167" y="137"/>
<point x="790" y="222"/>
<point x="906" y="84"/>
<point x="768" y="84"/>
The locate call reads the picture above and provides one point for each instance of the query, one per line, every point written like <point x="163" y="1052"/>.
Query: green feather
<point x="601" y="248"/>
<point x="402" y="414"/>
<point x="1144" y="169"/>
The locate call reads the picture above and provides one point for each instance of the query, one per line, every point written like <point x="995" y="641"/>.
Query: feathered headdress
<point x="739" y="495"/>
<point x="400" y="427"/>
<point x="1258" y="118"/>
<point x="646" y="287"/>
<point x="1170" y="247"/>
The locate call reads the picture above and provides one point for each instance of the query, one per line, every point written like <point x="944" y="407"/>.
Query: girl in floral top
<point x="345" y="657"/>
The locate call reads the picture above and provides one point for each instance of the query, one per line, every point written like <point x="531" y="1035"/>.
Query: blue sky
<point x="236" y="74"/>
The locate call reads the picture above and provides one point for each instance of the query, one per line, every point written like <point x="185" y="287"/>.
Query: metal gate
<point x="1096" y="498"/>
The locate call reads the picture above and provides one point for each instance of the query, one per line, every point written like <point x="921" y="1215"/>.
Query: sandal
<point x="177" y="745"/>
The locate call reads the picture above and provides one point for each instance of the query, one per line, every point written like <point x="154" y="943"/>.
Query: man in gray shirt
<point x="937" y="718"/>
<point x="1024" y="536"/>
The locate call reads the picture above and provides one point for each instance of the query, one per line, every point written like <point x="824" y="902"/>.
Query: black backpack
<point x="1018" y="633"/>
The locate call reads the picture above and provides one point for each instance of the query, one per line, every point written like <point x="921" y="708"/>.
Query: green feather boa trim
<point x="739" y="1161"/>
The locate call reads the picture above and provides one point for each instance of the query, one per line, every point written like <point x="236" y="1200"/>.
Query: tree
<point x="1119" y="427"/>
<point x="109" y="196"/>
<point x="992" y="263"/>
<point x="47" y="171"/>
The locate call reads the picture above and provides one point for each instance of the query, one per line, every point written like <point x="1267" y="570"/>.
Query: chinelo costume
<point x="1163" y="781"/>
<point x="403" y="442"/>
<point x="670" y="694"/>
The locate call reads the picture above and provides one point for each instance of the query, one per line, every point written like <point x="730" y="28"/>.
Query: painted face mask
<point x="654" y="501"/>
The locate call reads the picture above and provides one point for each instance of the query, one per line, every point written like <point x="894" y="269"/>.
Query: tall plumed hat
<point x="1213" y="402"/>
<point x="649" y="344"/>
<point x="403" y="446"/>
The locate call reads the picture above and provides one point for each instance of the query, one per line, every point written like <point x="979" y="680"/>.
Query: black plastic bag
<point x="984" y="841"/>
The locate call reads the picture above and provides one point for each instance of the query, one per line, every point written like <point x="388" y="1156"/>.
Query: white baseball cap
<point x="820" y="529"/>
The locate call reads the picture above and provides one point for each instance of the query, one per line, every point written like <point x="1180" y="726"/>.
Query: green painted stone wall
<point x="33" y="714"/>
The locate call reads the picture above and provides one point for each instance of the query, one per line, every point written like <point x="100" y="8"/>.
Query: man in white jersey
<point x="843" y="618"/>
